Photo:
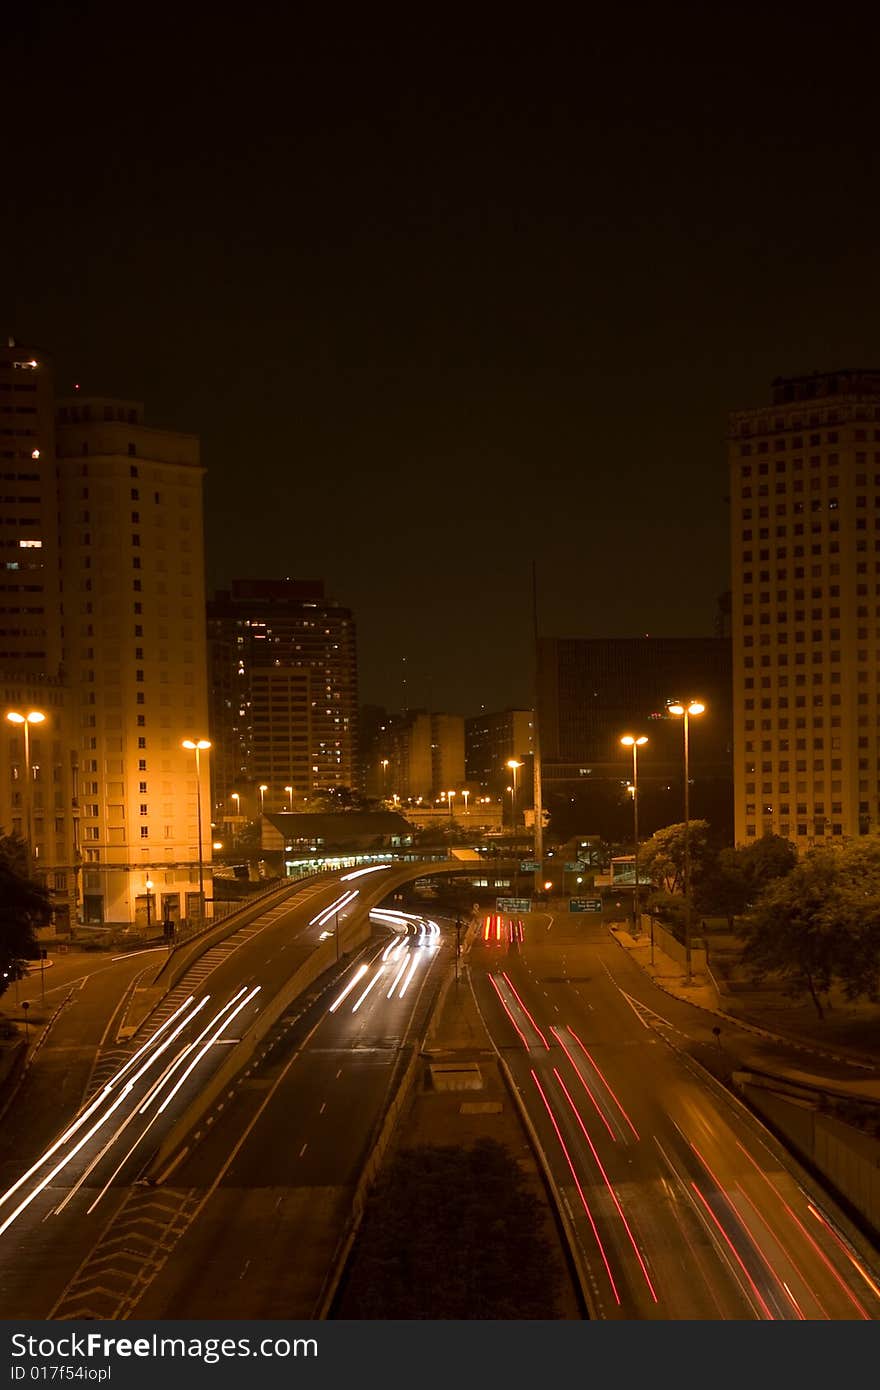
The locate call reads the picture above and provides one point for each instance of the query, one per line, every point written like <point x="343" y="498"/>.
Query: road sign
<point x="585" y="905"/>
<point x="530" y="866"/>
<point x="576" y="868"/>
<point x="513" y="904"/>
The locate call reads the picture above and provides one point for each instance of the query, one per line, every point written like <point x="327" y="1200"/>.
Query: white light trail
<point x="194" y="1063"/>
<point x="358" y="975"/>
<point x="396" y="978"/>
<point x="326" y="913"/>
<point x="169" y="1072"/>
<point x="359" y="873"/>
<point x="403" y="987"/>
<point x="360" y="1001"/>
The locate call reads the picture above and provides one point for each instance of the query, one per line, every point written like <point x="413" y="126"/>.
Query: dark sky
<point x="442" y="298"/>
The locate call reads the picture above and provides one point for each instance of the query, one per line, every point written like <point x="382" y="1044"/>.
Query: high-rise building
<point x="491" y="740"/>
<point x="424" y="754"/>
<point x="132" y="567"/>
<point x="284" y="693"/>
<point x="593" y="690"/>
<point x="805" y="539"/>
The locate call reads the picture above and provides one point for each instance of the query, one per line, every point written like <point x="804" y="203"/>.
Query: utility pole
<point x="337" y="934"/>
<point x="457" y="945"/>
<point x="536" y="745"/>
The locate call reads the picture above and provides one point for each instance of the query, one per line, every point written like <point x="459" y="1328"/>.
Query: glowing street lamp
<point x="384" y="766"/>
<point x="684" y="710"/>
<point x="34" y="716"/>
<point x="262" y="789"/>
<point x="465" y="793"/>
<point x="635" y="742"/>
<point x="199" y="746"/>
<point x="451" y="797"/>
<point x="149" y="887"/>
<point x="289" y="791"/>
<point x="514" y="767"/>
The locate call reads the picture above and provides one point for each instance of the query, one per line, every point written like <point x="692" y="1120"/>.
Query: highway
<point x="682" y="1207"/>
<point x="60" y="1194"/>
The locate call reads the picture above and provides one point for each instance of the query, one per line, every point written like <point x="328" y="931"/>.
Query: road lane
<point x="682" y="1208"/>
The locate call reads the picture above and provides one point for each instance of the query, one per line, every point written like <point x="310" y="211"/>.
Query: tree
<point x="662" y="858"/>
<point x="820" y="925"/>
<point x="739" y="875"/>
<point x="24" y="906"/>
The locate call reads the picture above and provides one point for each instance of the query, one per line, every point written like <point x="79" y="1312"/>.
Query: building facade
<point x="420" y="755"/>
<point x="284" y="694"/>
<point x="805" y="541"/>
<point x="133" y="648"/>
<point x="491" y="740"/>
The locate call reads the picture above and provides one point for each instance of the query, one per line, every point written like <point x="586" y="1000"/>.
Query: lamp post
<point x="451" y="798"/>
<point x="635" y="742"/>
<point x="684" y="710"/>
<point x="262" y="789"/>
<point x="289" y="791"/>
<point x="199" y="746"/>
<point x="514" y="767"/>
<point x="465" y="793"/>
<point x="34" y="716"/>
<point x="384" y="766"/>
<point x="149" y="891"/>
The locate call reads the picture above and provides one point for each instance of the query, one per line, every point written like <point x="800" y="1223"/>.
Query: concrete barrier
<point x="673" y="948"/>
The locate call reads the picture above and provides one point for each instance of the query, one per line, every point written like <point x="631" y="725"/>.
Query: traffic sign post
<point x="530" y="866"/>
<point x="585" y="905"/>
<point x="513" y="904"/>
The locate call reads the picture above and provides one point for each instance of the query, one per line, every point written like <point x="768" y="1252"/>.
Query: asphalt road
<point x="62" y="1188"/>
<point x="682" y="1206"/>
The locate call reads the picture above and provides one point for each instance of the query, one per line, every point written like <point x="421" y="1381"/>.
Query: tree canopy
<point x="820" y="924"/>
<point x="452" y="1232"/>
<point x="24" y="906"/>
<point x="662" y="858"/>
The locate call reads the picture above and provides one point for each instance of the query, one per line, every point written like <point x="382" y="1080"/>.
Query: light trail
<point x="577" y="1184"/>
<point x="92" y="1107"/>
<point x="734" y="1251"/>
<point x="362" y="997"/>
<point x="397" y="976"/>
<point x="620" y="1212"/>
<point x="849" y="1255"/>
<point x="207" y="1047"/>
<point x="802" y="1228"/>
<point x="596" y="1106"/>
<point x="774" y="1238"/>
<point x="359" y="873"/>
<point x="358" y="975"/>
<point x="404" y="986"/>
<point x="605" y="1083"/>
<point x="189" y="1047"/>
<point x="492" y="982"/>
<point x="322" y="917"/>
<point x="512" y="988"/>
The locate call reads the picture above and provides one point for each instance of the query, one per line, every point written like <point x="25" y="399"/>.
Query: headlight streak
<point x="92" y="1107"/>
<point x="359" y="873"/>
<point x="375" y="979"/>
<point x="358" y="975"/>
<point x="189" y="1047"/>
<point x="392" y="946"/>
<point x="584" y="1202"/>
<point x="512" y="988"/>
<point x="403" y="987"/>
<point x="397" y="977"/>
<point x="794" y="1303"/>
<point x="322" y="917"/>
<point x="802" y="1228"/>
<point x="620" y="1213"/>
<point x="605" y="1083"/>
<point x="120" y="1130"/>
<point x="596" y="1106"/>
<point x="207" y="1047"/>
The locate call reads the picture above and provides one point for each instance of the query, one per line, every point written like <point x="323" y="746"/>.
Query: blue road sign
<point x="513" y="904"/>
<point x="585" y="905"/>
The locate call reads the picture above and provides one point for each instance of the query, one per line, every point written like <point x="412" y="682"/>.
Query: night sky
<point x="441" y="298"/>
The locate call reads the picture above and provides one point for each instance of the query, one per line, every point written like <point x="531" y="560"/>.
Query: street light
<point x="465" y="793"/>
<point x="383" y="763"/>
<point x="635" y="742"/>
<point x="34" y="716"/>
<point x="199" y="746"/>
<point x="684" y="710"/>
<point x="451" y="796"/>
<point x="514" y="767"/>
<point x="149" y="891"/>
<point x="289" y="791"/>
<point x="234" y="796"/>
<point x="262" y="789"/>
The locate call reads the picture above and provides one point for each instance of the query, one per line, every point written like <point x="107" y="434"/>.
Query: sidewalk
<point x="759" y="1047"/>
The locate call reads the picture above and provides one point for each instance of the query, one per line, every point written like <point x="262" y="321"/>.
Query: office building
<point x="592" y="690"/>
<point x="805" y="540"/>
<point x="284" y="694"/>
<point x="491" y="740"/>
<point x="424" y="754"/>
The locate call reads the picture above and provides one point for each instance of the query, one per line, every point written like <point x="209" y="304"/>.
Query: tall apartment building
<point x="424" y="754"/>
<point x="132" y="568"/>
<point x="37" y="794"/>
<point x="491" y="739"/>
<point x="284" y="693"/>
<point x="805" y="534"/>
